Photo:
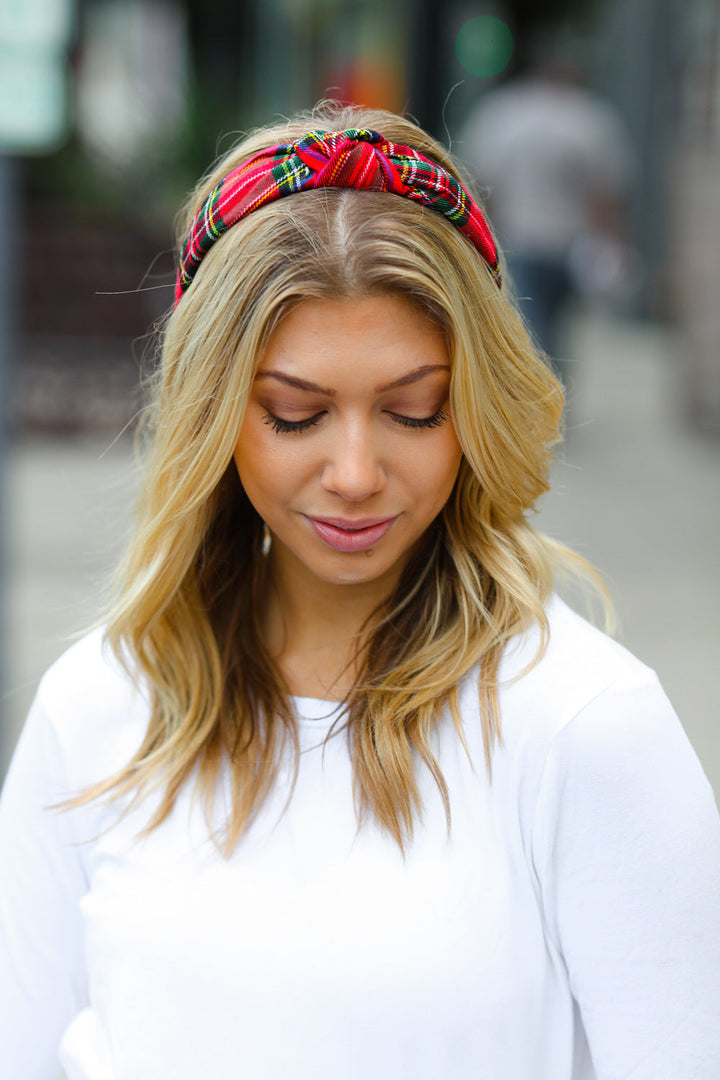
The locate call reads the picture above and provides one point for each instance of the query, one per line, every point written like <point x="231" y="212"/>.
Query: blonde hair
<point x="187" y="614"/>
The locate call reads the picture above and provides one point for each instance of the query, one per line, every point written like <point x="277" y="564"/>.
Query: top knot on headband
<point x="355" y="158"/>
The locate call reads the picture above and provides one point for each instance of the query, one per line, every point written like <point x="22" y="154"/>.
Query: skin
<point x="372" y="450"/>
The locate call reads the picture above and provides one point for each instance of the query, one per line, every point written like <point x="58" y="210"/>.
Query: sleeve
<point x="626" y="845"/>
<point x="42" y="964"/>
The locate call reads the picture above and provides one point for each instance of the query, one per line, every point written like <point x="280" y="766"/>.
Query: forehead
<point x="356" y="339"/>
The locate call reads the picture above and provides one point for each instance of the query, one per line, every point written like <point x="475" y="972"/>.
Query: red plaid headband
<point x="355" y="158"/>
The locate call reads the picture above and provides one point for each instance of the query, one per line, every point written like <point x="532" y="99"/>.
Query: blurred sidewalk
<point x="636" y="492"/>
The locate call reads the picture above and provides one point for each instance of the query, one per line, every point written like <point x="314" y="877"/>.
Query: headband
<point x="355" y="158"/>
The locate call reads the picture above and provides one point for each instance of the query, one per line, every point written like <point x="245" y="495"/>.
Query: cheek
<point x="251" y="461"/>
<point x="269" y="469"/>
<point x="437" y="467"/>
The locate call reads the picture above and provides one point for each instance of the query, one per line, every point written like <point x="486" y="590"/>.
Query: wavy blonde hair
<point x="187" y="620"/>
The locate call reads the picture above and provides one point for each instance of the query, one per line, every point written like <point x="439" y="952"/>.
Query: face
<point x="347" y="450"/>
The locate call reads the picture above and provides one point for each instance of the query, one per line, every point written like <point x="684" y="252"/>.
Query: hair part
<point x="186" y="618"/>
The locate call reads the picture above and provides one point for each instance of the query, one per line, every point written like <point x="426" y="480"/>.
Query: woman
<point x="348" y="791"/>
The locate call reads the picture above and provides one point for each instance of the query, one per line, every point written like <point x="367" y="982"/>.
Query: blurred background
<point x="111" y="109"/>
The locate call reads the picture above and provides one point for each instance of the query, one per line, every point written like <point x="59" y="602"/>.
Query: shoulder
<point x="92" y="709"/>
<point x="581" y="673"/>
<point x="85" y="671"/>
<point x="587" y="729"/>
<point x="580" y="661"/>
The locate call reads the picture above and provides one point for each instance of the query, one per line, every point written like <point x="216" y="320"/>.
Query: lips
<point x="343" y="534"/>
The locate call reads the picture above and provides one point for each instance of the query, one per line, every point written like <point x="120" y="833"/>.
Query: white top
<point x="547" y="152"/>
<point x="567" y="930"/>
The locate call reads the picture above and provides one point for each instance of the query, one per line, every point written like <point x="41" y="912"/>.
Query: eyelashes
<point x="284" y="427"/>
<point x="436" y="420"/>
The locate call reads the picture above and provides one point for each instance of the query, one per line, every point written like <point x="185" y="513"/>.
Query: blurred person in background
<point x="558" y="168"/>
<point x="345" y="789"/>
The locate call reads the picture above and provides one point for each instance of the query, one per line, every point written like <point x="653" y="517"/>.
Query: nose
<point x="354" y="469"/>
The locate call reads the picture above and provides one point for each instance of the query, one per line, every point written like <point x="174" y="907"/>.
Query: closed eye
<point x="283" y="427"/>
<point x="435" y="420"/>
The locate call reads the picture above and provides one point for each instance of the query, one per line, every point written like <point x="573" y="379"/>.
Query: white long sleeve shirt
<point x="568" y="928"/>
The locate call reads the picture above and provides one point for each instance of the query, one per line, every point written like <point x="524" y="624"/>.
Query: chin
<point x="352" y="576"/>
<point x="361" y="568"/>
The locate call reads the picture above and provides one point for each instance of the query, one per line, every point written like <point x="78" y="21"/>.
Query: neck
<point x="313" y="627"/>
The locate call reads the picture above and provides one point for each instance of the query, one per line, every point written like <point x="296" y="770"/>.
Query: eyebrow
<point x="305" y="384"/>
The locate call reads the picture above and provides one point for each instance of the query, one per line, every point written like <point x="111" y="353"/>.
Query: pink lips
<point x="346" y="535"/>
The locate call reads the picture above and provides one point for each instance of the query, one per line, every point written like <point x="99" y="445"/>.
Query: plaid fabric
<point x="354" y="158"/>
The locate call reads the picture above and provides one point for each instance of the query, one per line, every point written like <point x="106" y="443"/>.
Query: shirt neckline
<point x="314" y="710"/>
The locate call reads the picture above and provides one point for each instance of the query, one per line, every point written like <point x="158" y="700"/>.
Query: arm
<point x="42" y="968"/>
<point x="627" y="850"/>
